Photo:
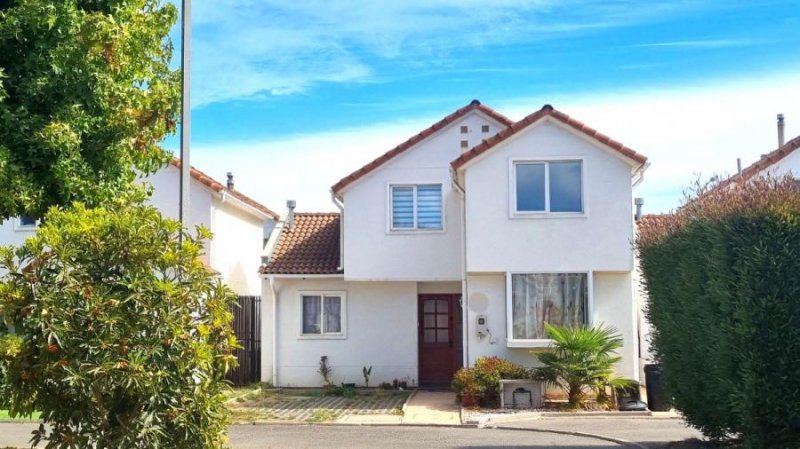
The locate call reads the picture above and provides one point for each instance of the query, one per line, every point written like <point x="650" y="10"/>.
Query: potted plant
<point x="581" y="360"/>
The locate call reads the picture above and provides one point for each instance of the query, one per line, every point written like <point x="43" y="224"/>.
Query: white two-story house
<point x="460" y="242"/>
<point x="239" y="224"/>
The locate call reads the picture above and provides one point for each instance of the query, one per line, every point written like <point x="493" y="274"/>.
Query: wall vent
<point x="464" y="129"/>
<point x="465" y="144"/>
<point x="485" y="128"/>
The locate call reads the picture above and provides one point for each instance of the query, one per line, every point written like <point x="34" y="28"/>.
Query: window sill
<point x="25" y="228"/>
<point x="322" y="337"/>
<point x="541" y="344"/>
<point x="414" y="231"/>
<point x="546" y="215"/>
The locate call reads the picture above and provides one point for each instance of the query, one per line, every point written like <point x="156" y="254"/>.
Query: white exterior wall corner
<point x="380" y="327"/>
<point x="601" y="240"/>
<point x="371" y="251"/>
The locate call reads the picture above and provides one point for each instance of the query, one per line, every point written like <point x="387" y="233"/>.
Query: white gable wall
<point x="371" y="251"/>
<point x="236" y="248"/>
<point x="598" y="241"/>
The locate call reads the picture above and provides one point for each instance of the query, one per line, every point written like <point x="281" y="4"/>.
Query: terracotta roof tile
<point x="546" y="111"/>
<point x="311" y="246"/>
<point x="764" y="163"/>
<point x="424" y="134"/>
<point x="216" y="186"/>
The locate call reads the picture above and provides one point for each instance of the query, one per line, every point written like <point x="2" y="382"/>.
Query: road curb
<point x="572" y="433"/>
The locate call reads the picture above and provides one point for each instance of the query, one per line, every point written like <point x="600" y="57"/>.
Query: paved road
<point x="650" y="432"/>
<point x="331" y="437"/>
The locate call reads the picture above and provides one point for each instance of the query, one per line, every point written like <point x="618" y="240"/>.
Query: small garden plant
<point x="366" y="372"/>
<point x="325" y="371"/>
<point x="480" y="385"/>
<point x="581" y="361"/>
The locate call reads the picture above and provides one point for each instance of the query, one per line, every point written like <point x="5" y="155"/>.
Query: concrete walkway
<point x="432" y="407"/>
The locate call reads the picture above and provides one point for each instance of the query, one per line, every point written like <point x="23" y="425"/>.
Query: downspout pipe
<point x="271" y="280"/>
<point x="464" y="288"/>
<point x="340" y="205"/>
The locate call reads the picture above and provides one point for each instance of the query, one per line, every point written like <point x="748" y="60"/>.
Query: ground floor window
<point x="323" y="313"/>
<point x="560" y="299"/>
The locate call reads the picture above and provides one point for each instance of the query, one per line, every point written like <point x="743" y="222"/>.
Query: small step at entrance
<point x="432" y="407"/>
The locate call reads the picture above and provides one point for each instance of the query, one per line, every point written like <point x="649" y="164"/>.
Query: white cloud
<point x="245" y="47"/>
<point x="686" y="131"/>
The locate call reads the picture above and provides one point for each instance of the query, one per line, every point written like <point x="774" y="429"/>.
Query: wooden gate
<point x="247" y="327"/>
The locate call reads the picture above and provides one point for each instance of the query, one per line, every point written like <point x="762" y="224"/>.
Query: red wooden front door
<point x="439" y="339"/>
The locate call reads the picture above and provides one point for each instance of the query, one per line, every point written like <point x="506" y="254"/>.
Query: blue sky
<point x="293" y="95"/>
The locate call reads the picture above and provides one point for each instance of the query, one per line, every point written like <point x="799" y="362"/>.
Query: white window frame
<point x="546" y="213"/>
<point x="390" y="229"/>
<point x="512" y="342"/>
<point x="322" y="335"/>
<point x="19" y="227"/>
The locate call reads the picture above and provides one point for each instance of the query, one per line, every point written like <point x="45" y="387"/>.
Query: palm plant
<point x="582" y="359"/>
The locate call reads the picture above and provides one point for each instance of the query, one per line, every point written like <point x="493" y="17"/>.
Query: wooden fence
<point x="247" y="327"/>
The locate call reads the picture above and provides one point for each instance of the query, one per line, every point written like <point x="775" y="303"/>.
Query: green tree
<point x="581" y="360"/>
<point x="86" y="96"/>
<point x="122" y="337"/>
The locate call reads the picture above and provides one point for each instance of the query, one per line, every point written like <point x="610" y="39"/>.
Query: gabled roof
<point x="217" y="186"/>
<point x="309" y="246"/>
<point x="765" y="162"/>
<point x="546" y="111"/>
<point x="474" y="105"/>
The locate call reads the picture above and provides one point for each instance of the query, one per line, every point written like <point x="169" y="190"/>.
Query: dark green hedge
<point x="723" y="277"/>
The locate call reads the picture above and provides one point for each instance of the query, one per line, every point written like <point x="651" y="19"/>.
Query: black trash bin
<point x="657" y="400"/>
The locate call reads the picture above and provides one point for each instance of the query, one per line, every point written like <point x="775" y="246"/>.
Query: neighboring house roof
<point x="309" y="246"/>
<point x="765" y="162"/>
<point x="474" y="105"/>
<point x="217" y="186"/>
<point x="546" y="111"/>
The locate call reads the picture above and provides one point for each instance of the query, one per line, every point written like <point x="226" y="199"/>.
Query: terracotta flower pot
<point x="469" y="399"/>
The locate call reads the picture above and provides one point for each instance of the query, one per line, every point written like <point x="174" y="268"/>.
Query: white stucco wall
<point x="11" y="234"/>
<point x="599" y="240"/>
<point x="236" y="248"/>
<point x="166" y="185"/>
<point x="371" y="251"/>
<point x="611" y="305"/>
<point x="380" y="326"/>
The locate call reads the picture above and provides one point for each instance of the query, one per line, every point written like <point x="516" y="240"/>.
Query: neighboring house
<point x="458" y="243"/>
<point x="239" y="224"/>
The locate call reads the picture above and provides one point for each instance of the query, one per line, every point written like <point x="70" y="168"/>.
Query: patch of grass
<point x="4" y="415"/>
<point x="398" y="411"/>
<point x="322" y="415"/>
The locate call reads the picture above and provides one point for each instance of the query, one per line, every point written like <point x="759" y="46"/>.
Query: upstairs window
<point x="548" y="186"/>
<point x="416" y="207"/>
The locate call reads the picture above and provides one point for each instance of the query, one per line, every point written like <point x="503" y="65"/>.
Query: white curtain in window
<point x="559" y="299"/>
<point x="312" y="310"/>
<point x="333" y="314"/>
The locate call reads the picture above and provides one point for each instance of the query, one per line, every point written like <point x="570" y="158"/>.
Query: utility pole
<point x="186" y="108"/>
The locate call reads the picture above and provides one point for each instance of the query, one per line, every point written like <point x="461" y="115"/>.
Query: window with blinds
<point x="416" y="207"/>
